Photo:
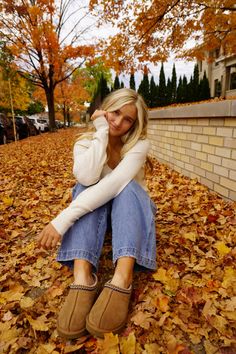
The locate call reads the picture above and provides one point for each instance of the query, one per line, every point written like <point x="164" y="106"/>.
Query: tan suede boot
<point x="71" y="321"/>
<point x="110" y="311"/>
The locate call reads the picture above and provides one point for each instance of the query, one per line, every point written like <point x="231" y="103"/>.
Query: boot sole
<point x="96" y="332"/>
<point x="82" y="333"/>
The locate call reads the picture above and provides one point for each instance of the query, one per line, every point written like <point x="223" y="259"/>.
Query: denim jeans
<point x="131" y="215"/>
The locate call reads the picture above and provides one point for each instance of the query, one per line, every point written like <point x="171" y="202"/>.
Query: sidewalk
<point x="187" y="306"/>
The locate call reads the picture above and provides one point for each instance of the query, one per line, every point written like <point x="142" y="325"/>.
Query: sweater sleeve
<point x="106" y="189"/>
<point x="90" y="155"/>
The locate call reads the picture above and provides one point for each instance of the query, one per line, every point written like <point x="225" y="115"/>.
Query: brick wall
<point x="198" y="141"/>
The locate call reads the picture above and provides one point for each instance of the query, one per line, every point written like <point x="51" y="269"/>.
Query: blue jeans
<point x="131" y="215"/>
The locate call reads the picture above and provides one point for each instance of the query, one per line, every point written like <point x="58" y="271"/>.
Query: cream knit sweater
<point x="104" y="184"/>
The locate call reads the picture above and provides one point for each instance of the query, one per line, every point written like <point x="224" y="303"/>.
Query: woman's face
<point x="121" y="120"/>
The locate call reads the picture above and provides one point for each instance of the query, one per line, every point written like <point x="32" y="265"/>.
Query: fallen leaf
<point x="128" y="345"/>
<point x="39" y="324"/>
<point x="222" y="248"/>
<point x="26" y="302"/>
<point x="142" y="319"/>
<point x="110" y="344"/>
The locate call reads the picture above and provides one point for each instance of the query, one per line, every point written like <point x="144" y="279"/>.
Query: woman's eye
<point x="129" y="120"/>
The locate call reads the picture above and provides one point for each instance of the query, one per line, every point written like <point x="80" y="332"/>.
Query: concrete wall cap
<point x="225" y="108"/>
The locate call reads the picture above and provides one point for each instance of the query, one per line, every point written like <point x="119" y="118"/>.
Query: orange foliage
<point x="45" y="48"/>
<point x="149" y="31"/>
<point x="71" y="94"/>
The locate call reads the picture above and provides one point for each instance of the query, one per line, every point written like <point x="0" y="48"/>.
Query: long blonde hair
<point x="117" y="99"/>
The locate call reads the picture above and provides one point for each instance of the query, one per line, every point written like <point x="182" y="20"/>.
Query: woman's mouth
<point x="113" y="127"/>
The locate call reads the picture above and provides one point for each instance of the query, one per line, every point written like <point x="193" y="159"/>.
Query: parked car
<point x="22" y="126"/>
<point x="40" y="124"/>
<point x="59" y="124"/>
<point x="7" y="130"/>
<point x="25" y="126"/>
<point x="31" y="127"/>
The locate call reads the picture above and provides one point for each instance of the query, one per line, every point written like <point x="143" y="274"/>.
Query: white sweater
<point x="103" y="183"/>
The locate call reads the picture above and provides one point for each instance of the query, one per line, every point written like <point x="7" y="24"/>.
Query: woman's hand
<point x="98" y="113"/>
<point x="49" y="237"/>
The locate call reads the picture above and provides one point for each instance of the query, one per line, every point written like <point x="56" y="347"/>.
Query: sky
<point x="182" y="67"/>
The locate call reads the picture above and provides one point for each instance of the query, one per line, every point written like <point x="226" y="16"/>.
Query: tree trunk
<point x="64" y="113"/>
<point x="51" y="108"/>
<point x="68" y="116"/>
<point x="50" y="99"/>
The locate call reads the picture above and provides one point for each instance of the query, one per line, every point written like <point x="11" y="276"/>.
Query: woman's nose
<point x="118" y="121"/>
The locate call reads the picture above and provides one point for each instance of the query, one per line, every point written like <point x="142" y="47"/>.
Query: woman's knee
<point x="132" y="189"/>
<point x="77" y="189"/>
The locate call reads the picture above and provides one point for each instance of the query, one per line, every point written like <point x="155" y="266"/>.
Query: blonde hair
<point x="117" y="99"/>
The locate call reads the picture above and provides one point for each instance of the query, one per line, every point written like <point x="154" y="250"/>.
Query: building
<point x="221" y="72"/>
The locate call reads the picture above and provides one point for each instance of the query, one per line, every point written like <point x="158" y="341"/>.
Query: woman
<point x="108" y="166"/>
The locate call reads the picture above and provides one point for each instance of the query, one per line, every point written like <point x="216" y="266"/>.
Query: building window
<point x="233" y="81"/>
<point x="217" y="88"/>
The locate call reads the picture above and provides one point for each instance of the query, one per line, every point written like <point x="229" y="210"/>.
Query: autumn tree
<point x="154" y="91"/>
<point x="180" y="91"/>
<point x="132" y="80"/>
<point x="168" y="91"/>
<point x="151" y="30"/>
<point x="43" y="38"/>
<point x="195" y="85"/>
<point x="185" y="89"/>
<point x="116" y="84"/>
<point x="162" y="87"/>
<point x="70" y="96"/>
<point x="173" y="85"/>
<point x="144" y="87"/>
<point x="95" y="71"/>
<point x="204" y="88"/>
<point x="14" y="89"/>
<point x="35" y="107"/>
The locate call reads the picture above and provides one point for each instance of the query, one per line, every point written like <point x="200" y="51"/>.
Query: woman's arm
<point x="106" y="189"/>
<point x="90" y="155"/>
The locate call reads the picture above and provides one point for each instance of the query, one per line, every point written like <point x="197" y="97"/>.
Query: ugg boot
<point x="109" y="313"/>
<point x="71" y="321"/>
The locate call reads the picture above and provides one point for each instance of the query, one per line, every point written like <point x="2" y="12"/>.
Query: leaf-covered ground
<point x="187" y="306"/>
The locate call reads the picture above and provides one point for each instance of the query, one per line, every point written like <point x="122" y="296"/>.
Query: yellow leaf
<point x="190" y="236"/>
<point x="41" y="262"/>
<point x="163" y="303"/>
<point x="8" y="201"/>
<point x="27" y="214"/>
<point x="9" y="334"/>
<point x="152" y="348"/>
<point x="44" y="163"/>
<point x="229" y="277"/>
<point x="170" y="283"/>
<point x="230" y="315"/>
<point x="26" y="302"/>
<point x="127" y="345"/>
<point x="14" y="294"/>
<point x="38" y="324"/>
<point x="15" y="234"/>
<point x="73" y="348"/>
<point x="210" y="348"/>
<point x="222" y="248"/>
<point x="110" y="344"/>
<point x="219" y="323"/>
<point x="46" y="349"/>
